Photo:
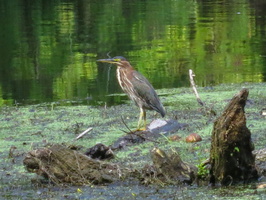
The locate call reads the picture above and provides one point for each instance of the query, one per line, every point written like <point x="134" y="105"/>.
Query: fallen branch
<point x="83" y="133"/>
<point x="193" y="85"/>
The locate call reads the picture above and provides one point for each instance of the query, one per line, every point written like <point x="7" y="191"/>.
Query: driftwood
<point x="231" y="155"/>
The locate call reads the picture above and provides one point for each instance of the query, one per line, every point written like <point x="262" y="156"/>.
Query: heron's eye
<point x="117" y="59"/>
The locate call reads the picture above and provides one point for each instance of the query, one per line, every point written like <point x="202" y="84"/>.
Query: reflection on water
<point x="49" y="48"/>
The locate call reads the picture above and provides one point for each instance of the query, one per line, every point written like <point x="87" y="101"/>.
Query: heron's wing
<point x="145" y="91"/>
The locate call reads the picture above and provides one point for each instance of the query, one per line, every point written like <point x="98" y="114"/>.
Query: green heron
<point x="137" y="87"/>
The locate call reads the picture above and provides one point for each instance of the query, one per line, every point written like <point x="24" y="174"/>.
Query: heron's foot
<point x="141" y="129"/>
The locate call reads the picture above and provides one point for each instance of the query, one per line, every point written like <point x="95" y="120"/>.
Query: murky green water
<point x="48" y="48"/>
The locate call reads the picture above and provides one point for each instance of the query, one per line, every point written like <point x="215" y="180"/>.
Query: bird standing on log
<point x="137" y="87"/>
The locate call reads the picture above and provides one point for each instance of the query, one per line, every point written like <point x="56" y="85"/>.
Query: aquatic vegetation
<point x="24" y="128"/>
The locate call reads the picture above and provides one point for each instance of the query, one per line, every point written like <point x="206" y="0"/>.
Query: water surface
<point x="49" y="48"/>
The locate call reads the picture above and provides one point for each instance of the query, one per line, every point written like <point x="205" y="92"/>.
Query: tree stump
<point x="231" y="155"/>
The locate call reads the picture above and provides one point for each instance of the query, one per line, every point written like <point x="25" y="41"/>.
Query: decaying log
<point x="63" y="165"/>
<point x="231" y="155"/>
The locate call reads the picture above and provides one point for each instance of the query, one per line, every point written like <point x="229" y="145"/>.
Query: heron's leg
<point x="142" y="120"/>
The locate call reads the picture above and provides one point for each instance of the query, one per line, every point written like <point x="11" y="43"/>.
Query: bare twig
<point x="83" y="133"/>
<point x="193" y="85"/>
<point x="131" y="132"/>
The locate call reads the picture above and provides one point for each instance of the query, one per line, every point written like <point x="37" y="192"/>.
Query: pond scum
<point x="24" y="128"/>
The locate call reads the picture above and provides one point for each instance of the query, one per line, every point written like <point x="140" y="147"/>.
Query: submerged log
<point x="231" y="155"/>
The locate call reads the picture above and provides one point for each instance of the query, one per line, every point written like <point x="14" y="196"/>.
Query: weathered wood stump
<point x="170" y="167"/>
<point x="231" y="155"/>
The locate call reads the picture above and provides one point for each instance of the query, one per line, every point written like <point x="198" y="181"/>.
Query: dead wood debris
<point x="63" y="165"/>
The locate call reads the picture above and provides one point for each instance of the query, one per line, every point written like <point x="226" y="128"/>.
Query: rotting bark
<point x="231" y="155"/>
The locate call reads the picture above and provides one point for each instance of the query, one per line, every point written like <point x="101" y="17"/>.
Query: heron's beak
<point x="108" y="60"/>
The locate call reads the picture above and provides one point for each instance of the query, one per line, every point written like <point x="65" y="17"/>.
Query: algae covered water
<point x="24" y="128"/>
